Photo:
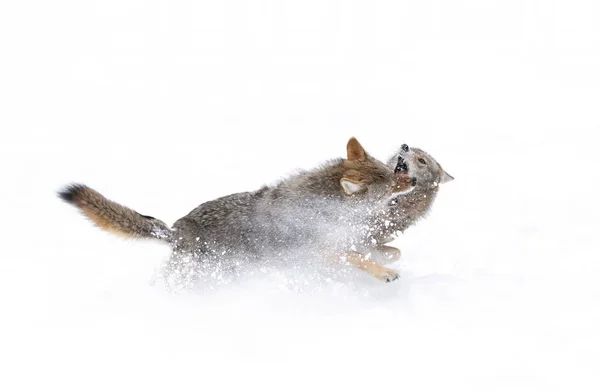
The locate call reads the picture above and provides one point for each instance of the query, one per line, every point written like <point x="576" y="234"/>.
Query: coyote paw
<point x="387" y="275"/>
<point x="393" y="277"/>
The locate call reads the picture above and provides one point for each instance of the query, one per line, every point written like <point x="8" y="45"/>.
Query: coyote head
<point x="420" y="164"/>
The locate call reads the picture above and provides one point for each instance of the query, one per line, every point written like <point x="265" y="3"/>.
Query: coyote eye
<point x="422" y="161"/>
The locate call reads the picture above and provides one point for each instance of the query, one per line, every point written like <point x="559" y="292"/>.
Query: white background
<point x="162" y="105"/>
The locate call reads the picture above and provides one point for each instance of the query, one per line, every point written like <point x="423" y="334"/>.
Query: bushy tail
<point x="113" y="217"/>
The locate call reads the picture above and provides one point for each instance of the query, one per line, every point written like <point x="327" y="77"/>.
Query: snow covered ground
<point x="164" y="105"/>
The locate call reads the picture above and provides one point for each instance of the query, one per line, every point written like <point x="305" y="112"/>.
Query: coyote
<point x="407" y="208"/>
<point x="324" y="212"/>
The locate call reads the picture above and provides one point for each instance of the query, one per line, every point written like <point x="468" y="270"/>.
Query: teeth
<point x="401" y="166"/>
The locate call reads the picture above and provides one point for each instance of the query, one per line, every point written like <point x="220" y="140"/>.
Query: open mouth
<point x="401" y="166"/>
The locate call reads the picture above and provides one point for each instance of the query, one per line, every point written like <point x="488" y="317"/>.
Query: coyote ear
<point x="446" y="177"/>
<point x="355" y="150"/>
<point x="350" y="187"/>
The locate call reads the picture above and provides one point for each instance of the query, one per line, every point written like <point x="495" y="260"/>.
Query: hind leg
<point x="180" y="272"/>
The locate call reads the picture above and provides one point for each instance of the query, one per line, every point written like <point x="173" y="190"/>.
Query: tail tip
<point x="70" y="192"/>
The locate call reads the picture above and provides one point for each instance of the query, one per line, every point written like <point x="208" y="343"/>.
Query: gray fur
<point x="307" y="212"/>
<point x="406" y="209"/>
<point x="341" y="208"/>
<point x="321" y="213"/>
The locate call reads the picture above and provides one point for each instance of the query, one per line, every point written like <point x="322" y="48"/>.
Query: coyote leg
<point x="376" y="270"/>
<point x="386" y="254"/>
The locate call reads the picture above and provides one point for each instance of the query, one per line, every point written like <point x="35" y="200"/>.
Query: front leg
<point x="376" y="270"/>
<point x="385" y="254"/>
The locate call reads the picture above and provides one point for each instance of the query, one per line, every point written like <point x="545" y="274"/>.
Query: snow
<point x="164" y="105"/>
